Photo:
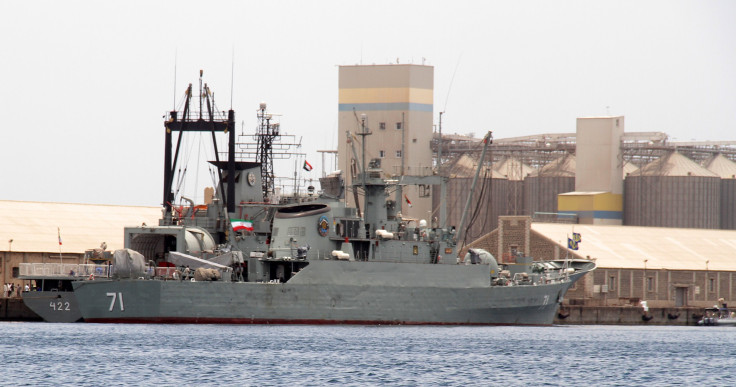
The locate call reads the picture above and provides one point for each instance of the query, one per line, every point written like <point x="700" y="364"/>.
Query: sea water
<point x="174" y="355"/>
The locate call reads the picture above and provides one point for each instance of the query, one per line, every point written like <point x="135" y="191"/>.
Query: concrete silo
<point x="672" y="191"/>
<point x="726" y="169"/>
<point x="542" y="187"/>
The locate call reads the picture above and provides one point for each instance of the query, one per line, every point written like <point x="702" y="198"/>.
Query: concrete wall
<point x="626" y="315"/>
<point x="13" y="309"/>
<point x="703" y="288"/>
<point x="598" y="154"/>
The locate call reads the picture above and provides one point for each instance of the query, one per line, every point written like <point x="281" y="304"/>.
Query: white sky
<point x="85" y="84"/>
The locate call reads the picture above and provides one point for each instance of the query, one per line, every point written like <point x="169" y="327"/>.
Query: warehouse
<point x="41" y="232"/>
<point x="667" y="267"/>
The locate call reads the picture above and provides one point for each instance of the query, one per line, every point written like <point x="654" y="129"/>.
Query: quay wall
<point x="13" y="309"/>
<point x="627" y="315"/>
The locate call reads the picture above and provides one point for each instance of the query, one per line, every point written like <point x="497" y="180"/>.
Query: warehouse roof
<point x="36" y="226"/>
<point x="627" y="247"/>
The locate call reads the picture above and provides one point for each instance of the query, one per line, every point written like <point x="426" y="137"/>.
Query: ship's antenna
<point x="452" y="80"/>
<point x="176" y="52"/>
<point x="232" y="77"/>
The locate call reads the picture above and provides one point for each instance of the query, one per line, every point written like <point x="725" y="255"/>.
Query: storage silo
<point x="726" y="169"/>
<point x="489" y="197"/>
<point x="542" y="187"/>
<point x="629" y="167"/>
<point x="515" y="171"/>
<point x="672" y="191"/>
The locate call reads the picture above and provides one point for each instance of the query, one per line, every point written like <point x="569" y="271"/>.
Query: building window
<point x="650" y="284"/>
<point x="611" y="283"/>
<point x="382" y="126"/>
<point x="712" y="285"/>
<point x="16" y="272"/>
<point x="398" y="126"/>
<point x="398" y="154"/>
<point x="425" y="190"/>
<point x="381" y="154"/>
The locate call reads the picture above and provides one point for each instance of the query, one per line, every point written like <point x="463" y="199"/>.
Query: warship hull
<point x="53" y="306"/>
<point x="329" y="292"/>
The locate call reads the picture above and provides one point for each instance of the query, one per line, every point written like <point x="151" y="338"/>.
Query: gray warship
<point x="245" y="258"/>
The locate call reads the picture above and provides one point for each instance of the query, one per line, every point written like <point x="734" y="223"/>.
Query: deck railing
<point x="71" y="270"/>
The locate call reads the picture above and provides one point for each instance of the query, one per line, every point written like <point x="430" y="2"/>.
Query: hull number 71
<point x="116" y="296"/>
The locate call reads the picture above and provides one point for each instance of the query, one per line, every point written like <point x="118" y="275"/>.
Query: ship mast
<point x="186" y="123"/>
<point x="265" y="135"/>
<point x="269" y="146"/>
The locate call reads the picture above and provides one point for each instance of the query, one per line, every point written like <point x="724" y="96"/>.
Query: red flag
<point x="407" y="200"/>
<point x="58" y="231"/>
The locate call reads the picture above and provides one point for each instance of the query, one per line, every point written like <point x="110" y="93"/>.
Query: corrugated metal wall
<point x="540" y="192"/>
<point x="515" y="198"/>
<point x="672" y="201"/>
<point x="728" y="204"/>
<point x="492" y="205"/>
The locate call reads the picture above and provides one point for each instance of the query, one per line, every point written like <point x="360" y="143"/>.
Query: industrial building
<point x="661" y="183"/>
<point x="667" y="267"/>
<point x="40" y="232"/>
<point x="385" y="113"/>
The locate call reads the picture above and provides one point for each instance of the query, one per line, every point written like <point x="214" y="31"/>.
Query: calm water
<point x="97" y="354"/>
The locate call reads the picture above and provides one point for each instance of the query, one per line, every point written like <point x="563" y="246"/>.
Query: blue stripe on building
<point x="410" y="106"/>
<point x="599" y="214"/>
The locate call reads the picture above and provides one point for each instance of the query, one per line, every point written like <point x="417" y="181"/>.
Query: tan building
<point x="599" y="179"/>
<point x="41" y="232"/>
<point x="394" y="103"/>
<point x="667" y="267"/>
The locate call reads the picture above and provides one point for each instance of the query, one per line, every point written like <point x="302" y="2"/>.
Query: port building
<point x="385" y="116"/>
<point x="661" y="183"/>
<point x="44" y="232"/>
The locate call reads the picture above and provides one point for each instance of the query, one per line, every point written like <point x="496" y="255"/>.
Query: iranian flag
<point x="240" y="224"/>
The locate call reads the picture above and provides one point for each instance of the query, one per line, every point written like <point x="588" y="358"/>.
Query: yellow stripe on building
<point x="386" y="95"/>
<point x="590" y="201"/>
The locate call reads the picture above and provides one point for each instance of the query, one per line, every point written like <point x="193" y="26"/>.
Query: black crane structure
<point x="213" y="122"/>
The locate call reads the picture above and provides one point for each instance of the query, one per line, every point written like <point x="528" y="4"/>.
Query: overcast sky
<point x="85" y="84"/>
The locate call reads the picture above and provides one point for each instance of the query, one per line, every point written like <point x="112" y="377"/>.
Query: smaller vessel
<point x="51" y="295"/>
<point x="718" y="315"/>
